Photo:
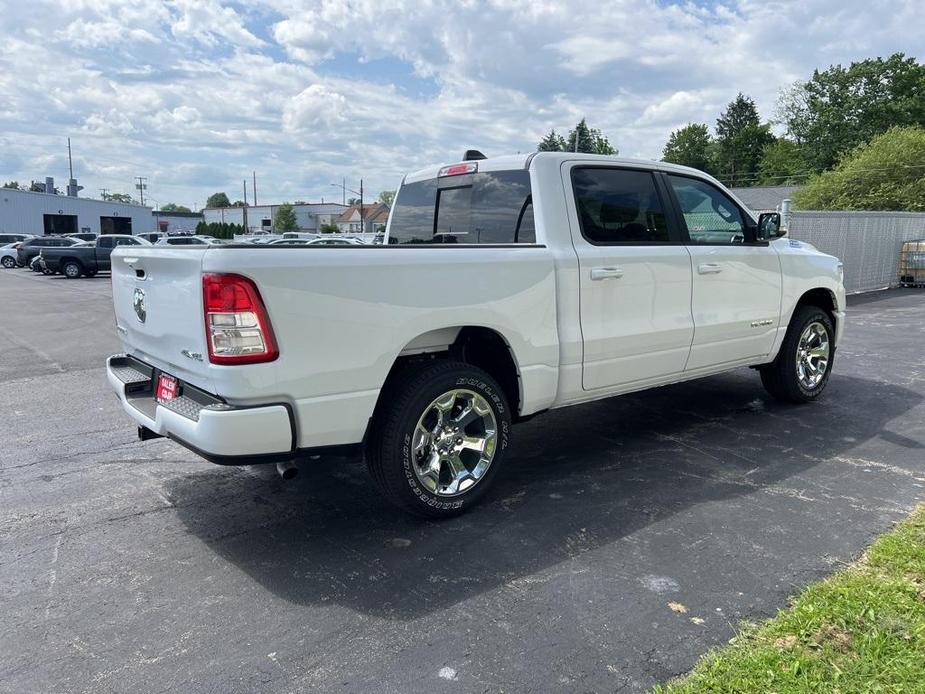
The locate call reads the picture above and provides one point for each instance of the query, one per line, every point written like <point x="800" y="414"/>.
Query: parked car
<point x="8" y="255"/>
<point x="13" y="238"/>
<point x="151" y="236"/>
<point x="30" y="248"/>
<point x="336" y="241"/>
<point x="83" y="236"/>
<point x="300" y="235"/>
<point x="289" y="242"/>
<point x="190" y="241"/>
<point x="78" y="260"/>
<point x="507" y="286"/>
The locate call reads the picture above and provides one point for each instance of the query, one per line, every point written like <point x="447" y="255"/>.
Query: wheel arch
<point x="481" y="346"/>
<point x="821" y="297"/>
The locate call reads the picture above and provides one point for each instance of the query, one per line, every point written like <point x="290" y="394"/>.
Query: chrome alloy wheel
<point x="812" y="355"/>
<point x="454" y="442"/>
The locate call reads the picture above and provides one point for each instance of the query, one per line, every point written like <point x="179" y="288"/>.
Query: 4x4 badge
<point x="138" y="303"/>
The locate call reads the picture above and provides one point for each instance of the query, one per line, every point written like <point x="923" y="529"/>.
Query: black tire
<point x="8" y="262"/>
<point x="389" y="454"/>
<point x="71" y="269"/>
<point x="780" y="377"/>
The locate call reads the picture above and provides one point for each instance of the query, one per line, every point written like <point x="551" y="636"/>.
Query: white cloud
<point x="187" y="92"/>
<point x="316" y="105"/>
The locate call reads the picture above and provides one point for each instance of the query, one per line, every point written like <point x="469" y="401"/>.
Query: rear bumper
<point x="202" y="422"/>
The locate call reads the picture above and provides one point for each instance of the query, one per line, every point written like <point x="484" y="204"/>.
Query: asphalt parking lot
<point x="128" y="566"/>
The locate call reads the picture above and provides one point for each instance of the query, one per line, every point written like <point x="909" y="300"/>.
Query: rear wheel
<point x="72" y="269"/>
<point x="801" y="371"/>
<point x="8" y="262"/>
<point x="438" y="438"/>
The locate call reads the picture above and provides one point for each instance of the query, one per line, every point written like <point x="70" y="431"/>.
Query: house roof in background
<point x="764" y="198"/>
<point x="373" y="212"/>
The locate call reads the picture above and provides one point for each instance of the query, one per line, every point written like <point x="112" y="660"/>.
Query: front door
<point x="635" y="277"/>
<point x="736" y="277"/>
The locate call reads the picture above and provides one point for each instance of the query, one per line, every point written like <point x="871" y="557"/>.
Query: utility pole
<point x="344" y="188"/>
<point x="70" y="163"/>
<point x="362" y="225"/>
<point x="142" y="186"/>
<point x="103" y="193"/>
<point x="255" y="188"/>
<point x="245" y="206"/>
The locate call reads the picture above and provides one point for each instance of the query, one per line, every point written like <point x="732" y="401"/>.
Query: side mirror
<point x="769" y="226"/>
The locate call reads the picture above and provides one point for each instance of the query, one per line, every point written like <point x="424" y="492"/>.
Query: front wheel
<point x="438" y="438"/>
<point x="8" y="262"/>
<point x="801" y="371"/>
<point x="72" y="270"/>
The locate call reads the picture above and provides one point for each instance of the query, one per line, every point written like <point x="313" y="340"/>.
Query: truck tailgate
<point x="157" y="296"/>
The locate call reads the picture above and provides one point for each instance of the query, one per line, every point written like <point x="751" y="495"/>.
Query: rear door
<point x="736" y="278"/>
<point x="104" y="246"/>
<point x="157" y="296"/>
<point x="635" y="276"/>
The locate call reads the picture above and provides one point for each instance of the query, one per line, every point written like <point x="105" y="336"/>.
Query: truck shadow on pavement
<point x="575" y="480"/>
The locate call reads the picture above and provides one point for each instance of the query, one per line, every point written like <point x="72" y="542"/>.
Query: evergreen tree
<point x="552" y="142"/>
<point x="741" y="138"/>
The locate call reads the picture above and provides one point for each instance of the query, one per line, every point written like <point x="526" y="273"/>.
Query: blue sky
<point x="196" y="94"/>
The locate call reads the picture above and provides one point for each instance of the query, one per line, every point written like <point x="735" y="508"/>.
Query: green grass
<point x="861" y="630"/>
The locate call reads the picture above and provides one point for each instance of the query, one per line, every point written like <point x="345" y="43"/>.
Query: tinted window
<point x="105" y="242"/>
<point x="619" y="206"/>
<point x="710" y="215"/>
<point x="477" y="208"/>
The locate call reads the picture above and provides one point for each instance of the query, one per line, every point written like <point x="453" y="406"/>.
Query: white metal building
<point x="176" y="221"/>
<point x="24" y="212"/>
<point x="310" y="216"/>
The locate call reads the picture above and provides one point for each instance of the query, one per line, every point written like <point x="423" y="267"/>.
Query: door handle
<point x="709" y="268"/>
<point x="606" y="273"/>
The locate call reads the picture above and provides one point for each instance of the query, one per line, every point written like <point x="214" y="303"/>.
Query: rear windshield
<point x="479" y="208"/>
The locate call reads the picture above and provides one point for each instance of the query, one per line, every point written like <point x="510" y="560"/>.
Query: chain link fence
<point x="868" y="243"/>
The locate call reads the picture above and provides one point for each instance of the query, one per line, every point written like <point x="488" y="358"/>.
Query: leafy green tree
<point x="285" y="219"/>
<point x="888" y="173"/>
<point x="387" y="197"/>
<point x="238" y="203"/>
<point x="328" y="228"/>
<point x="174" y="207"/>
<point x="691" y="146"/>
<point x="840" y="108"/>
<point x="552" y="142"/>
<point x="590" y="140"/>
<point x="741" y="138"/>
<point x="782" y="163"/>
<point x="120" y="197"/>
<point x="13" y="185"/>
<point x="218" y="200"/>
<point x="353" y="201"/>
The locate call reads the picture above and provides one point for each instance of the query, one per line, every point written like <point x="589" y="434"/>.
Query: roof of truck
<point x="522" y="161"/>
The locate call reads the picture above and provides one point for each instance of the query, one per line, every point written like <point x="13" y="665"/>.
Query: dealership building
<point x="25" y="212"/>
<point x="309" y="216"/>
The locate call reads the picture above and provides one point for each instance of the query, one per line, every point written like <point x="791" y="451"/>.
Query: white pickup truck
<point x="507" y="286"/>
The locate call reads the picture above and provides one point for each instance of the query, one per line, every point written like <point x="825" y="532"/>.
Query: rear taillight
<point x="238" y="328"/>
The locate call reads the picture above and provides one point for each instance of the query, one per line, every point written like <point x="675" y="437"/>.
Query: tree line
<point x="855" y="135"/>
